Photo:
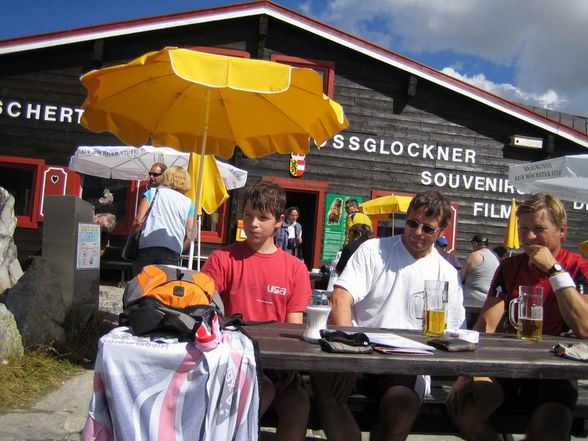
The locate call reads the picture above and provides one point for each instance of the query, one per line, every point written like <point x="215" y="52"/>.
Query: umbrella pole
<point x="137" y="190"/>
<point x="393" y="224"/>
<point x="199" y="226"/>
<point x="191" y="253"/>
<point x="200" y="171"/>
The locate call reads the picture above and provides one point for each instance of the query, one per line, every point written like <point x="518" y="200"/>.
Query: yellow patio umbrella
<point x="212" y="180"/>
<point x="511" y="239"/>
<point x="380" y="209"/>
<point x="208" y="103"/>
<point x="209" y="200"/>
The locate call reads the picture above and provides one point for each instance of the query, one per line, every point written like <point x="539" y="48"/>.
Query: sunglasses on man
<point x="155" y="174"/>
<point x="415" y="224"/>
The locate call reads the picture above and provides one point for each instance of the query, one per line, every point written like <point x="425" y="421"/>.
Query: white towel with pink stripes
<point x="162" y="390"/>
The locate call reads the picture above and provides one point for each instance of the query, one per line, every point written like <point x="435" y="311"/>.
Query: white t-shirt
<point x="383" y="279"/>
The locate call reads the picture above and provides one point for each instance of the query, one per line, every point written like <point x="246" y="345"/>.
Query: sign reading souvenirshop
<point x="334" y="226"/>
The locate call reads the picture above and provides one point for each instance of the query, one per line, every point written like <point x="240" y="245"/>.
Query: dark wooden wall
<point x="373" y="94"/>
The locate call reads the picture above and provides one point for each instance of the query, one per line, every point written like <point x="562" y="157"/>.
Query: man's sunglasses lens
<point x="155" y="174"/>
<point x="426" y="228"/>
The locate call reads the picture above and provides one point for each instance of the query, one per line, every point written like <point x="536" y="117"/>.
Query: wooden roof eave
<point x="308" y="24"/>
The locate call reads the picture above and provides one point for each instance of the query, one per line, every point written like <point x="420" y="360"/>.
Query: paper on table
<point x="395" y="341"/>
<point x="389" y="350"/>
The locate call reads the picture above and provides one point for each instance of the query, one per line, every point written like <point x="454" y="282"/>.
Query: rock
<point x="38" y="307"/>
<point x="10" y="340"/>
<point x="10" y="269"/>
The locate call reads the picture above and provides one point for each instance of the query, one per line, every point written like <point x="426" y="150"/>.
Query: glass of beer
<point x="435" y="306"/>
<point x="529" y="319"/>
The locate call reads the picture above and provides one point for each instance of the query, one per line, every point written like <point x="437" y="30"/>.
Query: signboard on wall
<point x="334" y="225"/>
<point x="88" y="249"/>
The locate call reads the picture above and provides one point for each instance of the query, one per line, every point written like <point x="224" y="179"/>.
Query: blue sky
<point x="528" y="51"/>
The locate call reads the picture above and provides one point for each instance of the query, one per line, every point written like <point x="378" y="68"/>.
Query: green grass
<point x="25" y="379"/>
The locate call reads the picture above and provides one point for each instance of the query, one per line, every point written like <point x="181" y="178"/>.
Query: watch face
<point x="555" y="268"/>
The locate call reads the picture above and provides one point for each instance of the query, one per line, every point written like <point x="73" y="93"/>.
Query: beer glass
<point x="529" y="320"/>
<point x="435" y="307"/>
<point x="316" y="319"/>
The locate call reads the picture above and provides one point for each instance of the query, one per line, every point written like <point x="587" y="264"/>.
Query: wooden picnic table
<point x="498" y="355"/>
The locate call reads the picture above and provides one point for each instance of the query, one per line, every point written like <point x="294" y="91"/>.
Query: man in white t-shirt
<point x="377" y="289"/>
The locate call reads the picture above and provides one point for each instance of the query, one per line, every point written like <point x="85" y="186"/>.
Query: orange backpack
<point x="170" y="299"/>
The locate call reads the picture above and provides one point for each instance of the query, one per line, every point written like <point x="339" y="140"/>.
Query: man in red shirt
<point x="542" y="229"/>
<point x="263" y="282"/>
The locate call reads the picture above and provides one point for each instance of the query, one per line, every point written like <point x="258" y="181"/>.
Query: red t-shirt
<point x="259" y="286"/>
<point x="515" y="271"/>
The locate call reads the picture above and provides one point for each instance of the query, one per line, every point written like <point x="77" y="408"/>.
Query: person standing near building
<point x="354" y="216"/>
<point x="156" y="174"/>
<point x="165" y="217"/>
<point x="443" y="248"/>
<point x="289" y="236"/>
<point x="501" y="252"/>
<point x="358" y="234"/>
<point x="542" y="227"/>
<point x="107" y="222"/>
<point x="258" y="279"/>
<point x="478" y="270"/>
<point x="379" y="284"/>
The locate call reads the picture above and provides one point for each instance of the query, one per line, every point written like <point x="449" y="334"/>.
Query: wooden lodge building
<point x="412" y="128"/>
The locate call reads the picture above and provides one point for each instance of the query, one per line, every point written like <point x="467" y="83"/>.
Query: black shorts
<point x="154" y="256"/>
<point x="375" y="385"/>
<point x="529" y="394"/>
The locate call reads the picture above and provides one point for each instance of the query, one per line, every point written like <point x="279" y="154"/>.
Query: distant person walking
<point x="289" y="237"/>
<point x="478" y="270"/>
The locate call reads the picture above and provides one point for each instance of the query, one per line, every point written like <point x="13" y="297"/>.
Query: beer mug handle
<point x="511" y="312"/>
<point x="417" y="307"/>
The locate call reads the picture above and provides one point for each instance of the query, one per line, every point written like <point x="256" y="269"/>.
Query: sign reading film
<point x="334" y="227"/>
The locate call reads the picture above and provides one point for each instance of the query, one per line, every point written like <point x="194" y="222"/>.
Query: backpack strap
<point x="236" y="320"/>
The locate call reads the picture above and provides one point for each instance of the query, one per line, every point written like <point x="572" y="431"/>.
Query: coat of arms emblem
<point x="297" y="164"/>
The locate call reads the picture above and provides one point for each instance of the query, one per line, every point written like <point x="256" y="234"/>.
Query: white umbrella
<point x="133" y="163"/>
<point x="566" y="177"/>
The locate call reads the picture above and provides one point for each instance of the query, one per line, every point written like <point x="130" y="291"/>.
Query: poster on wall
<point x="334" y="227"/>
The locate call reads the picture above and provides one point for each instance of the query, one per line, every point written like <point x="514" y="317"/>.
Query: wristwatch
<point x="556" y="268"/>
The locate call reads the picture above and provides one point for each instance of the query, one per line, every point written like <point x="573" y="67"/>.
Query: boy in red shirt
<point x="262" y="282"/>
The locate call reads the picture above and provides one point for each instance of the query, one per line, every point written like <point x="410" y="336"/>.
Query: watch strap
<point x="556" y="268"/>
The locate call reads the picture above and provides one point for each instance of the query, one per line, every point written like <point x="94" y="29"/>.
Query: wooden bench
<point x="433" y="418"/>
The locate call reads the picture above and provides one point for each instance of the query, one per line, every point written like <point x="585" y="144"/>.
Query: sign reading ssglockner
<point x="443" y="177"/>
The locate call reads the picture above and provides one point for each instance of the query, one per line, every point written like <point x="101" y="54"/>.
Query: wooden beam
<point x="549" y="146"/>
<point x="412" y="86"/>
<point x="261" y="38"/>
